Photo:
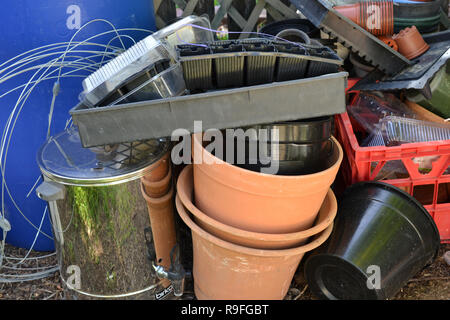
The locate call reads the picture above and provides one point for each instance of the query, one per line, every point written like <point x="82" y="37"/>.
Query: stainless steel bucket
<point x="100" y="219"/>
<point x="301" y="131"/>
<point x="291" y="159"/>
<point x="298" y="147"/>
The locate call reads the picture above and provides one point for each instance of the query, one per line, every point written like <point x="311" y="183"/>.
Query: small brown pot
<point x="389" y="42"/>
<point x="185" y="191"/>
<point x="158" y="188"/>
<point x="259" y="202"/>
<point x="227" y="271"/>
<point x="161" y="213"/>
<point x="410" y="43"/>
<point x="158" y="170"/>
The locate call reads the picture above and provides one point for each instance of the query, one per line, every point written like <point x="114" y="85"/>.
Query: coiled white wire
<point x="47" y="62"/>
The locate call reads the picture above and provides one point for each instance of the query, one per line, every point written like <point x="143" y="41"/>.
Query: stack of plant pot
<point x="250" y="230"/>
<point x="298" y="147"/>
<point x="377" y="17"/>
<point x="158" y="191"/>
<point x="425" y="15"/>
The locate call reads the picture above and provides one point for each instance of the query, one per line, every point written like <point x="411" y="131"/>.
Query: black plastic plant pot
<point x="301" y="24"/>
<point x="382" y="238"/>
<point x="424" y="15"/>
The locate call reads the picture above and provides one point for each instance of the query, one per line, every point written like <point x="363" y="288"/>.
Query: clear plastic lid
<point x="398" y="130"/>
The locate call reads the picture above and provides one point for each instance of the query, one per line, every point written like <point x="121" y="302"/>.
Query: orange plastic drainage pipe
<point x="157" y="189"/>
<point x="161" y="213"/>
<point x="158" y="170"/>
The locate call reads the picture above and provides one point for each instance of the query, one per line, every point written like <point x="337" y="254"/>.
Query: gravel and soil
<point x="432" y="283"/>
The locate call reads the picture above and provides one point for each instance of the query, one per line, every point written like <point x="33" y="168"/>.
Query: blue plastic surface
<point x="28" y="24"/>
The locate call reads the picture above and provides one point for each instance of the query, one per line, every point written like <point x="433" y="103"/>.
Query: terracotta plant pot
<point x="389" y="42"/>
<point x="260" y="202"/>
<point x="185" y="191"/>
<point x="377" y="17"/>
<point x="351" y="11"/>
<point x="410" y="43"/>
<point x="227" y="271"/>
<point x="158" y="170"/>
<point x="161" y="213"/>
<point x="158" y="188"/>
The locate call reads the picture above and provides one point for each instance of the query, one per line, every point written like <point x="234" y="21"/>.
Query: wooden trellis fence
<point x="241" y="15"/>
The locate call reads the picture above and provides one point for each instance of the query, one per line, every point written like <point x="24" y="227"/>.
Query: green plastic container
<point x="424" y="25"/>
<point x="424" y="15"/>
<point x="440" y="88"/>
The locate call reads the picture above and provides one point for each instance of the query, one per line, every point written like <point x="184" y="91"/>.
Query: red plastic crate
<point x="365" y="163"/>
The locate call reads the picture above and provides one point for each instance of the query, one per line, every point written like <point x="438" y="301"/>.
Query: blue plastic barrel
<point x="28" y="24"/>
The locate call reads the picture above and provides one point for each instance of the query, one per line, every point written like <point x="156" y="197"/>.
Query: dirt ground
<point x="48" y="288"/>
<point x="432" y="283"/>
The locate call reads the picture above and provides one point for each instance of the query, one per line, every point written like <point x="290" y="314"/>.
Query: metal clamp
<point x="51" y="192"/>
<point x="175" y="274"/>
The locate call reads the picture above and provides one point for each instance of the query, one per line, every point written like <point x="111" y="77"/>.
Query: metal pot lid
<point x="63" y="159"/>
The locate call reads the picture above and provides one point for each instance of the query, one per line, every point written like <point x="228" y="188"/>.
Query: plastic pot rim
<point x="187" y="203"/>
<point x="353" y="59"/>
<point x="356" y="271"/>
<point x="313" y="244"/>
<point x="415" y="21"/>
<point x="403" y="194"/>
<point x="417" y="4"/>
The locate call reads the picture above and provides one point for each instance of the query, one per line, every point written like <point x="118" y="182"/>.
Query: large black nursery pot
<point x="382" y="238"/>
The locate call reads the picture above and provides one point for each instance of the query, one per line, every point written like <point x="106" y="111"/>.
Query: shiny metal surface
<point x="291" y="159"/>
<point x="99" y="217"/>
<point x="101" y="231"/>
<point x="303" y="131"/>
<point x="62" y="159"/>
<point x="295" y="152"/>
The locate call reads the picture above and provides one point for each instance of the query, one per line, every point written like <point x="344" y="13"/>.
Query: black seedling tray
<point x="238" y="63"/>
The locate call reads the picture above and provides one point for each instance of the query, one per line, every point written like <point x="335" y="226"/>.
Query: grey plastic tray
<point x="267" y="103"/>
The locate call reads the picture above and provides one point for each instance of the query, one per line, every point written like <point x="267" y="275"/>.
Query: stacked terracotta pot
<point x="157" y="190"/>
<point x="250" y="230"/>
<point x="377" y="17"/>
